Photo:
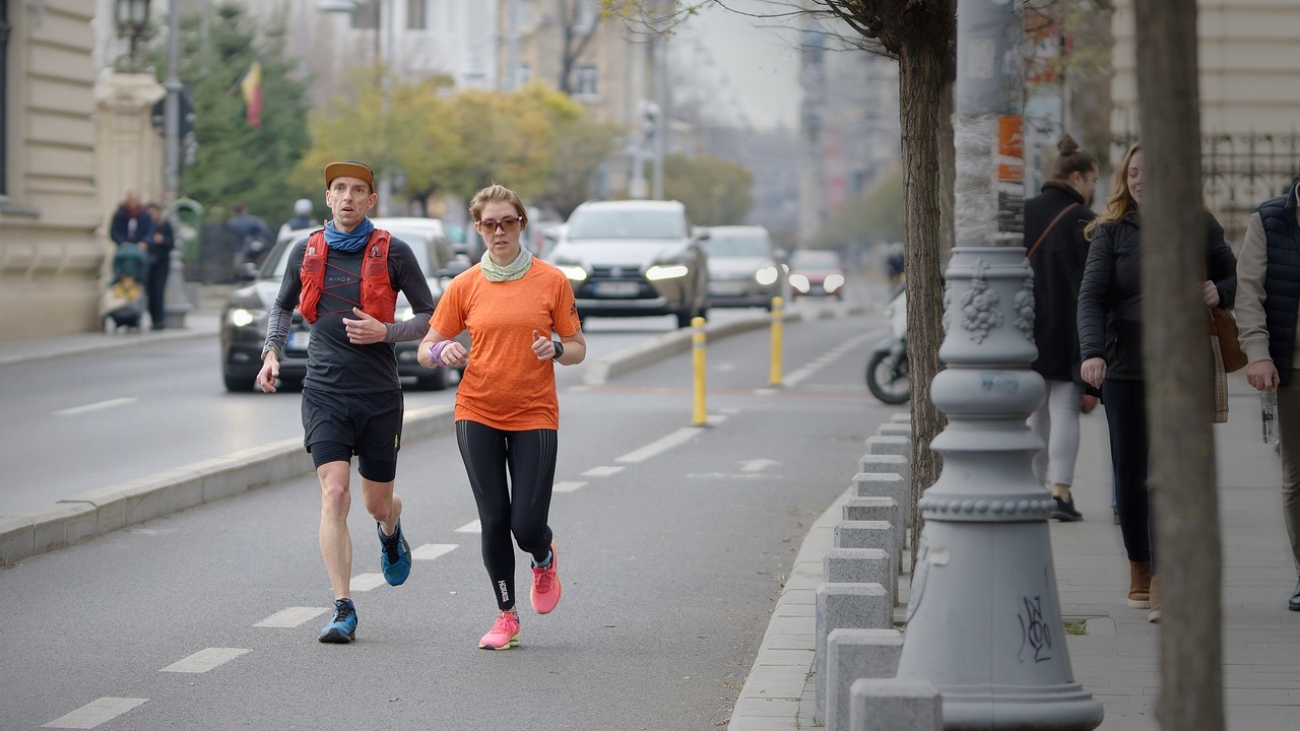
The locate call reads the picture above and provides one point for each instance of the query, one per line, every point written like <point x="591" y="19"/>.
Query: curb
<point x="99" y="512"/>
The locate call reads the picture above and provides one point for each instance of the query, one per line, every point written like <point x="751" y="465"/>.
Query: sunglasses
<point x="509" y="224"/>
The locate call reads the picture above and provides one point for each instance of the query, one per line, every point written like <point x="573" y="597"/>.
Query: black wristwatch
<point x="559" y="349"/>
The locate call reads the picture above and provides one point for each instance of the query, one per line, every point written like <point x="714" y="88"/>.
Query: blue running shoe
<point x="343" y="628"/>
<point x="395" y="558"/>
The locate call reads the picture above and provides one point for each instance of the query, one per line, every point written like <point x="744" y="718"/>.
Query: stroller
<point x="123" y="301"/>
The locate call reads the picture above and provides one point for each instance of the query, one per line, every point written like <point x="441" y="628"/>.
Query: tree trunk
<point x="1175" y="358"/>
<point x="923" y="84"/>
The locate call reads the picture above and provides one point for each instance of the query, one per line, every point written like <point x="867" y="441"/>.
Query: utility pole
<point x="385" y="25"/>
<point x="984" y="621"/>
<point x="172" y="108"/>
<point x="661" y="124"/>
<point x="512" y="45"/>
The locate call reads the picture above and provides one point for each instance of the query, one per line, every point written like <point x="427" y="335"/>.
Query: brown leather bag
<point x="1224" y="327"/>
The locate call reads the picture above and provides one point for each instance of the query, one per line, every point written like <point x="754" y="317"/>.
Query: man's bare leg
<point x="335" y="542"/>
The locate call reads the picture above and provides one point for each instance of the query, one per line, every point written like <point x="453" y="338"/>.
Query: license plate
<point x="727" y="289"/>
<point x="617" y="289"/>
<point x="298" y="340"/>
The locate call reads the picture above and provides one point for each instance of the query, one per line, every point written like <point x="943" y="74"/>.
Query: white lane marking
<point x="205" y="660"/>
<point x="430" y="551"/>
<point x="827" y="358"/>
<point x="292" y="617"/>
<point x="732" y="475"/>
<point x="568" y="486"/>
<point x="366" y="582"/>
<point x="602" y="471"/>
<point x="663" y="444"/>
<point x="471" y="527"/>
<point x="100" y="406"/>
<point x="95" y="712"/>
<point x="757" y="465"/>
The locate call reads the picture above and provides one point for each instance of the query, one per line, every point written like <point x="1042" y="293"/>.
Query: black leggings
<point x="1126" y="416"/>
<point x="519" y="507"/>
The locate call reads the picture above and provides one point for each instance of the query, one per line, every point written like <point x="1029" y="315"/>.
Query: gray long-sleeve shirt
<point x="1252" y="264"/>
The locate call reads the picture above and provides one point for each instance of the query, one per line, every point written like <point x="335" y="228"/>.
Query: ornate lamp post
<point x="984" y="621"/>
<point x="132" y="23"/>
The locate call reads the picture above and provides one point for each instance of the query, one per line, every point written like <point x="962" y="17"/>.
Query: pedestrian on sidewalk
<point x="1266" y="311"/>
<point x="344" y="280"/>
<point x="507" y="411"/>
<point x="1110" y="343"/>
<point x="161" y="244"/>
<point x="1057" y="251"/>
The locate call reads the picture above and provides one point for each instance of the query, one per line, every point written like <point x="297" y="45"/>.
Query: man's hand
<point x="270" y="371"/>
<point x="454" y="355"/>
<point x="1093" y="371"/>
<point x="366" y="330"/>
<point x="1262" y="374"/>
<point x="543" y="347"/>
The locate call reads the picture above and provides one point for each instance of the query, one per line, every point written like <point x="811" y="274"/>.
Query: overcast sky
<point x="750" y="64"/>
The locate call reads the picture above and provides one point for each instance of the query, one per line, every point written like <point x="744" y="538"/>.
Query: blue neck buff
<point x="351" y="242"/>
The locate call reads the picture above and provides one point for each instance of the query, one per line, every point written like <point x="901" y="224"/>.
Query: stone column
<point x="130" y="151"/>
<point x="984" y="623"/>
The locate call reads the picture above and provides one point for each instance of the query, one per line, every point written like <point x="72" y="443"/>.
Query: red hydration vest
<point x="378" y="298"/>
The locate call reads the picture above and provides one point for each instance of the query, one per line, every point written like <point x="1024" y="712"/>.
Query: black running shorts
<point x="368" y="423"/>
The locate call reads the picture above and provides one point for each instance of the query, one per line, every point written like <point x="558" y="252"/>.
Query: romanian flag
<point x="250" y="84"/>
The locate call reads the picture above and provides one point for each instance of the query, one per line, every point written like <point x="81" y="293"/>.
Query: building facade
<point x="51" y="257"/>
<point x="1250" y="100"/>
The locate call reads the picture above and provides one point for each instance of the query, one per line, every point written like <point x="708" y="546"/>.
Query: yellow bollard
<point x="778" y="319"/>
<point x="700" y="415"/>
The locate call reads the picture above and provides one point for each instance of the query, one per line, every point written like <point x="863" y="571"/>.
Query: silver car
<point x="634" y="259"/>
<point x="746" y="269"/>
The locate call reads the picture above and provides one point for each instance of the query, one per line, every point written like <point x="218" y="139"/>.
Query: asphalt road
<point x="673" y="544"/>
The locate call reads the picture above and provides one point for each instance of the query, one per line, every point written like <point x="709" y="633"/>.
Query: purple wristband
<point x="435" y="352"/>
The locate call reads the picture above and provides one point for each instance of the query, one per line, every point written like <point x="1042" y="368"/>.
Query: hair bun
<point x="1067" y="145"/>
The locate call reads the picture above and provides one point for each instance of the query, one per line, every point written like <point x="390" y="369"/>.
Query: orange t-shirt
<point x="505" y="386"/>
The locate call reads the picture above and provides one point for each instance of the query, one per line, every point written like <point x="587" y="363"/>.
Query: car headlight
<point x="765" y="276"/>
<point x="799" y="282"/>
<point x="242" y="316"/>
<point x="667" y="271"/>
<point x="833" y="282"/>
<point x="574" y="273"/>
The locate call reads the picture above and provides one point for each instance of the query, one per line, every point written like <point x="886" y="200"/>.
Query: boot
<point x="1139" y="584"/>
<point x="1154" y="614"/>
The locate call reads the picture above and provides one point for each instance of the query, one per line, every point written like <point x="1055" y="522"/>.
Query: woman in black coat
<point x="1057" y="250"/>
<point x="1110" y="342"/>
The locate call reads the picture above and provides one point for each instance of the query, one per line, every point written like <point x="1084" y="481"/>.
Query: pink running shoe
<point x="504" y="633"/>
<point x="546" y="585"/>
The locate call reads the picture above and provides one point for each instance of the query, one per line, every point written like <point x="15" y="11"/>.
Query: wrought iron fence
<point x="1240" y="171"/>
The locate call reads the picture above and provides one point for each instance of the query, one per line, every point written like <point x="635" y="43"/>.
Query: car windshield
<point x="278" y="259"/>
<point x="614" y="223"/>
<point x="740" y="246"/>
<point x="806" y="259"/>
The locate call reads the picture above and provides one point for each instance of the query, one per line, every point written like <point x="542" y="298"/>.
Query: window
<point x="585" y="15"/>
<point x="366" y="15"/>
<point x="525" y="74"/>
<point x="585" y="78"/>
<point x="417" y="14"/>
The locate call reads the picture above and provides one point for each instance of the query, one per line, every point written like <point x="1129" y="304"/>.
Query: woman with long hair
<point x="1110" y="343"/>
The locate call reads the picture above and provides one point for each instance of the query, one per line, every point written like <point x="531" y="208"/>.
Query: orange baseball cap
<point x="349" y="169"/>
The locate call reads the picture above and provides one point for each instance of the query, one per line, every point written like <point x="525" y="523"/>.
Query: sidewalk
<point x="1117" y="660"/>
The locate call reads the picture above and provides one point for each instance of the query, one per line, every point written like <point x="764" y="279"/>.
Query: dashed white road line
<point x="98" y="406"/>
<point x="661" y="445"/>
<point x="292" y="617"/>
<point x="430" y="551"/>
<point x="205" y="660"/>
<point x="602" y="471"/>
<point x="825" y="359"/>
<point x="95" y="712"/>
<point x="366" y="582"/>
<point x="568" y="486"/>
<point x="471" y="527"/>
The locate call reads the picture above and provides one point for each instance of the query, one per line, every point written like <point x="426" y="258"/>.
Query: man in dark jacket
<point x="250" y="236"/>
<point x="1267" y="306"/>
<point x="160" y="261"/>
<point x="131" y="223"/>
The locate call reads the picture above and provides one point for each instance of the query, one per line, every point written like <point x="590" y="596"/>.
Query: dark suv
<point x="634" y="259"/>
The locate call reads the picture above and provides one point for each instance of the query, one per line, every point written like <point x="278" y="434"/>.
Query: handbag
<point x="1223" y="327"/>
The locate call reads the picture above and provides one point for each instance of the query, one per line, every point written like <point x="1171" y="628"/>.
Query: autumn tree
<point x="1182" y="481"/>
<point x="715" y="192"/>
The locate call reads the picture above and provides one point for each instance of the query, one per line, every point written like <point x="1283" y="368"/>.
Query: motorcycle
<point x="887" y="373"/>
